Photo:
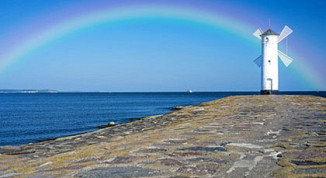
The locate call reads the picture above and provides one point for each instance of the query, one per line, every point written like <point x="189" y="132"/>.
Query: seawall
<point x="255" y="136"/>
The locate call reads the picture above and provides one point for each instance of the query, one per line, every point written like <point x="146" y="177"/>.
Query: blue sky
<point x="159" y="54"/>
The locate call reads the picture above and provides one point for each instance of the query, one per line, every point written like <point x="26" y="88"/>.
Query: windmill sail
<point x="285" y="58"/>
<point x="285" y="32"/>
<point x="259" y="61"/>
<point x="258" y="32"/>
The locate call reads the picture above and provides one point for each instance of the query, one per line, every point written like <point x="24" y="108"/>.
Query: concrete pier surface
<point x="238" y="136"/>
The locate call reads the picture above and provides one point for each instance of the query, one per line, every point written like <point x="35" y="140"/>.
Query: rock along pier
<point x="238" y="136"/>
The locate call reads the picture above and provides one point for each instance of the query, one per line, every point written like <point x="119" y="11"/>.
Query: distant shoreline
<point x="4" y="91"/>
<point x="46" y="91"/>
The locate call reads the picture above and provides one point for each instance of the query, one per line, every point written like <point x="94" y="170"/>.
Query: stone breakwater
<point x="238" y="136"/>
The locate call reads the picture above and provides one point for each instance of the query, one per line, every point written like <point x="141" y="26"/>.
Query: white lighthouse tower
<point x="268" y="61"/>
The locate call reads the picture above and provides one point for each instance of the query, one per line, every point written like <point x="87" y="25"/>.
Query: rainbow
<point x="112" y="13"/>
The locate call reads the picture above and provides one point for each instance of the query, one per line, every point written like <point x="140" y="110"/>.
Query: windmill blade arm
<point x="285" y="32"/>
<point x="259" y="61"/>
<point x="258" y="32"/>
<point x="285" y="58"/>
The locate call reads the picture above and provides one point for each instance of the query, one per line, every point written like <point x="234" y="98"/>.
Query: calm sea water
<point x="26" y="118"/>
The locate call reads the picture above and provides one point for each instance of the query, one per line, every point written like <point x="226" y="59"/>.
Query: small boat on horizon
<point x="189" y="91"/>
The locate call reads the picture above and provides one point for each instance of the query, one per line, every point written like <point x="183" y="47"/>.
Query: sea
<point x="33" y="117"/>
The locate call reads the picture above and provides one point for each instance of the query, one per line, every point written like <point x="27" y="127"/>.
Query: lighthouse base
<point x="268" y="92"/>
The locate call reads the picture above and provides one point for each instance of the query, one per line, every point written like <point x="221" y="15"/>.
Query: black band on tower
<point x="268" y="92"/>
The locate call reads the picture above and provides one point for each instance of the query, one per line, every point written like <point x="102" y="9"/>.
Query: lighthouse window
<point x="269" y="61"/>
<point x="267" y="39"/>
